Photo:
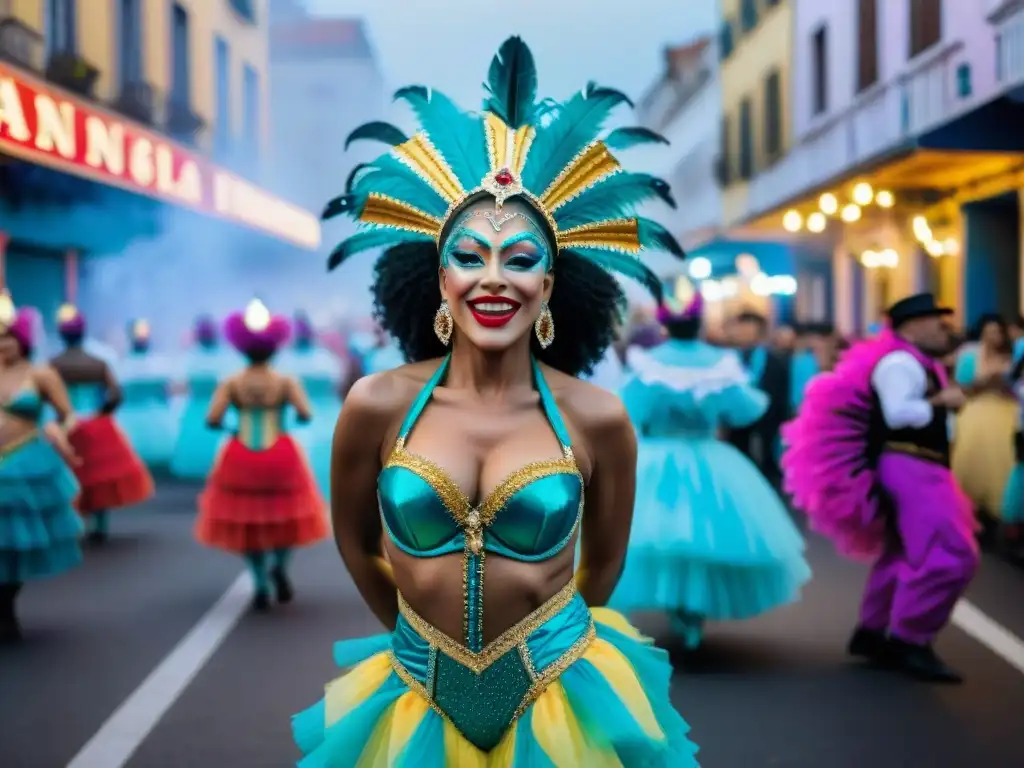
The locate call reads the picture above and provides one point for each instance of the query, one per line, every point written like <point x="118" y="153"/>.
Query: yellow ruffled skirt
<point x="983" y="450"/>
<point x="568" y="686"/>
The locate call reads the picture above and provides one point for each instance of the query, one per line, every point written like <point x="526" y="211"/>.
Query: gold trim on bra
<point x="17" y="443"/>
<point x="494" y="650"/>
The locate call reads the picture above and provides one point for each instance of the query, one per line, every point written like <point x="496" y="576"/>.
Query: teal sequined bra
<point x="25" y="404"/>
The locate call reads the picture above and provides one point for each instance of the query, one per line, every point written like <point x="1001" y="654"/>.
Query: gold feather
<point x="496" y="132"/>
<point x="589" y="167"/>
<point x="386" y="211"/>
<point x="423" y="158"/>
<point x="613" y="235"/>
<point x="521" y="143"/>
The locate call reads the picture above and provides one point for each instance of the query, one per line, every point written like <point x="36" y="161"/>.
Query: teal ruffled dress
<point x="319" y="372"/>
<point x="145" y="414"/>
<point x="711" y="539"/>
<point x="196" y="446"/>
<point x="39" y="527"/>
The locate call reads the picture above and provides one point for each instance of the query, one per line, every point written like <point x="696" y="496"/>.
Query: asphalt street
<point x="776" y="691"/>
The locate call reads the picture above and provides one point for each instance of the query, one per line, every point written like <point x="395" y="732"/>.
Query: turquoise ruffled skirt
<point x="197" y="445"/>
<point x="1013" y="497"/>
<point x="151" y="428"/>
<point x="566" y="688"/>
<point x="39" y="527"/>
<point x="710" y="536"/>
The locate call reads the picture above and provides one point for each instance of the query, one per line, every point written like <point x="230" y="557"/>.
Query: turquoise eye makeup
<point x="528" y="260"/>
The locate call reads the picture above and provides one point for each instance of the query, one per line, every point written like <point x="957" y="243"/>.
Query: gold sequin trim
<point x="420" y="155"/>
<point x="17" y="443"/>
<point x="590" y="167"/>
<point x="509" y="639"/>
<point x="448" y="491"/>
<point x="614" y="235"/>
<point x="916" y="450"/>
<point x="527" y="657"/>
<point x="385" y="211"/>
<point x="521" y="478"/>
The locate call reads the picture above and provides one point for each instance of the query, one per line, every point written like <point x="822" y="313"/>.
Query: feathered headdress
<point x="672" y="311"/>
<point x="256" y="329"/>
<point x="70" y="320"/>
<point x="554" y="156"/>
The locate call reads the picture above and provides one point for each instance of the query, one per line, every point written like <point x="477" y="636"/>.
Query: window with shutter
<point x="867" y="44"/>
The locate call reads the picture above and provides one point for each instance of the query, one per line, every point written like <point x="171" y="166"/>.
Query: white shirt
<point x="901" y="383"/>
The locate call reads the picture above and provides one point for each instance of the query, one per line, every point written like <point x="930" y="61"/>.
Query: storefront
<point x="80" y="182"/>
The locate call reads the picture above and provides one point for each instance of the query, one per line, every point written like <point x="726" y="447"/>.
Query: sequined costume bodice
<point x="25" y="404"/>
<point x="259" y="428"/>
<point x="87" y="398"/>
<point x="530" y="516"/>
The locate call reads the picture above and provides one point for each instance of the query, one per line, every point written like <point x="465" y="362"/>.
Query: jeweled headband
<point x="553" y="156"/>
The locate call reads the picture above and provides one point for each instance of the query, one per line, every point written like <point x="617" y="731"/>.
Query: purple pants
<point x="915" y="584"/>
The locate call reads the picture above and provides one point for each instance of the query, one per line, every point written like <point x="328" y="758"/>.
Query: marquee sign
<point x="44" y="125"/>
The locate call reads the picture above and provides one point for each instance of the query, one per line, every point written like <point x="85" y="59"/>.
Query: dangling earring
<point x="544" y="327"/>
<point x="443" y="323"/>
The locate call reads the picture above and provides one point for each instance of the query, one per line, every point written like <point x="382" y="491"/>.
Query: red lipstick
<point x="493" y="311"/>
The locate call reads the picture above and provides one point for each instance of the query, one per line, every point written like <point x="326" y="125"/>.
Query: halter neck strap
<point x="547" y="400"/>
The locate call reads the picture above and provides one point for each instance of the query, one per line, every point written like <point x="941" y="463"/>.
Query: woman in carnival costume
<point x="983" y="451"/>
<point x="319" y="371"/>
<point x="711" y="538"/>
<point x="261" y="500"/>
<point x="523" y="215"/>
<point x="196" y="446"/>
<point x="145" y="414"/>
<point x="868" y="460"/>
<point x="39" y="527"/>
<point x="110" y="473"/>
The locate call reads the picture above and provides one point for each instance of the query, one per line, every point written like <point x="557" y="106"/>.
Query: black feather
<point x="352" y="175"/>
<point x="377" y="131"/>
<point x="338" y="206"/>
<point x="600" y="91"/>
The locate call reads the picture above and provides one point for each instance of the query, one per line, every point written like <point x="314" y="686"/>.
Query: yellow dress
<point x="983" y="451"/>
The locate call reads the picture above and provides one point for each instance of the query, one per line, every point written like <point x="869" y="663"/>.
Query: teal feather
<point x="657" y="238"/>
<point x="593" y="89"/>
<point x="615" y="197"/>
<point x="354" y="173"/>
<point x="345" y="204"/>
<point x="377" y="131"/>
<point x="387" y="175"/>
<point x="626" y="265"/>
<point x="577" y="123"/>
<point x="457" y="135"/>
<point x="512" y="84"/>
<point x="626" y="138"/>
<point x="378" y="237"/>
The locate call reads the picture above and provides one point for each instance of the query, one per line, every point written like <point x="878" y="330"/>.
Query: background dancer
<point x="319" y="372"/>
<point x="109" y="471"/>
<point x="770" y="373"/>
<point x="878" y="423"/>
<point x="524" y="307"/>
<point x="145" y="414"/>
<point x="711" y="539"/>
<point x="206" y="364"/>
<point x="39" y="527"/>
<point x="261" y="501"/>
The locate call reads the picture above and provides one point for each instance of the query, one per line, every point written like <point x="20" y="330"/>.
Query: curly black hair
<point x="684" y="329"/>
<point x="586" y="304"/>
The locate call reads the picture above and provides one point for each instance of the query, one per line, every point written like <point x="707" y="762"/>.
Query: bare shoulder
<point x="595" y="411"/>
<point x="45" y="374"/>
<point x="385" y="394"/>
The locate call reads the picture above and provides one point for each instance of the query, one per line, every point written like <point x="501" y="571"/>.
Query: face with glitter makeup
<point x="496" y="273"/>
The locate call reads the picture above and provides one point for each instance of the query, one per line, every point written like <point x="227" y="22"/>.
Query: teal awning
<point x="772" y="258"/>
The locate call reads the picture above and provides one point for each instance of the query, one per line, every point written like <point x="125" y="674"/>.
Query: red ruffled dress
<point x="110" y="472"/>
<point x="261" y="494"/>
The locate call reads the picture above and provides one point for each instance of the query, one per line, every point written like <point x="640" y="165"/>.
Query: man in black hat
<point x="869" y="464"/>
<point x="769" y="372"/>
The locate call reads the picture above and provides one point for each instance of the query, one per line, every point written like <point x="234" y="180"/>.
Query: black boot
<point x="870" y="644"/>
<point x="261" y="601"/>
<point x="922" y="663"/>
<point x="282" y="585"/>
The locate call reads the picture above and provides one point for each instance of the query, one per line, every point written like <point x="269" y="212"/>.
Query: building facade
<point x="900" y="159"/>
<point x="116" y="117"/>
<point x="325" y="82"/>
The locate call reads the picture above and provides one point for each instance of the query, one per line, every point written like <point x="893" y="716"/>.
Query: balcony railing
<point x="883" y="120"/>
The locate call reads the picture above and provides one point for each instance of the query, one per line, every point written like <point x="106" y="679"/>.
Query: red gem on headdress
<point x="504" y="177"/>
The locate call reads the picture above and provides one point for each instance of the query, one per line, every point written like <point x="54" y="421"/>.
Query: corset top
<point x="259" y="428"/>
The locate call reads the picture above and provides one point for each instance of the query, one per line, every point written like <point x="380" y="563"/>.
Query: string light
<point x="851" y="213"/>
<point x="257" y="316"/>
<point x="792" y="221"/>
<point x="885" y="199"/>
<point x="816" y="222"/>
<point x="863" y="193"/>
<point x="828" y="204"/>
<point x="921" y="229"/>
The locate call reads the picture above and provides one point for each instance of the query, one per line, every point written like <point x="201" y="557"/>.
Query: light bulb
<point x="851" y="213"/>
<point x="888" y="258"/>
<point x="760" y="285"/>
<point x="700" y="268"/>
<point x="816" y="222"/>
<point x="66" y="313"/>
<point x="828" y="204"/>
<point x="885" y="199"/>
<point x="257" y="316"/>
<point x="7" y="311"/>
<point x="869" y="259"/>
<point x="921" y="229"/>
<point x="863" y="193"/>
<point x="951" y="246"/>
<point x="934" y="248"/>
<point x="792" y="221"/>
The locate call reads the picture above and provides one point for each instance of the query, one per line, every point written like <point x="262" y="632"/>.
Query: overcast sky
<point x="447" y="44"/>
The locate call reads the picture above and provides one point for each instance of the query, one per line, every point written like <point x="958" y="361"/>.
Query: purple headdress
<point x="303" y="329"/>
<point x="70" y="322"/>
<point x="692" y="311"/>
<point x="20" y="323"/>
<point x="204" y="330"/>
<point x="255" y="330"/>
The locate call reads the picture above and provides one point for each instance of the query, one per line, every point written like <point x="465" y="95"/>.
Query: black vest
<point x="930" y="442"/>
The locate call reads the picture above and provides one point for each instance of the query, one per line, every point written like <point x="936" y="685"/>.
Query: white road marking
<point x="989" y="633"/>
<point x="125" y="730"/>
